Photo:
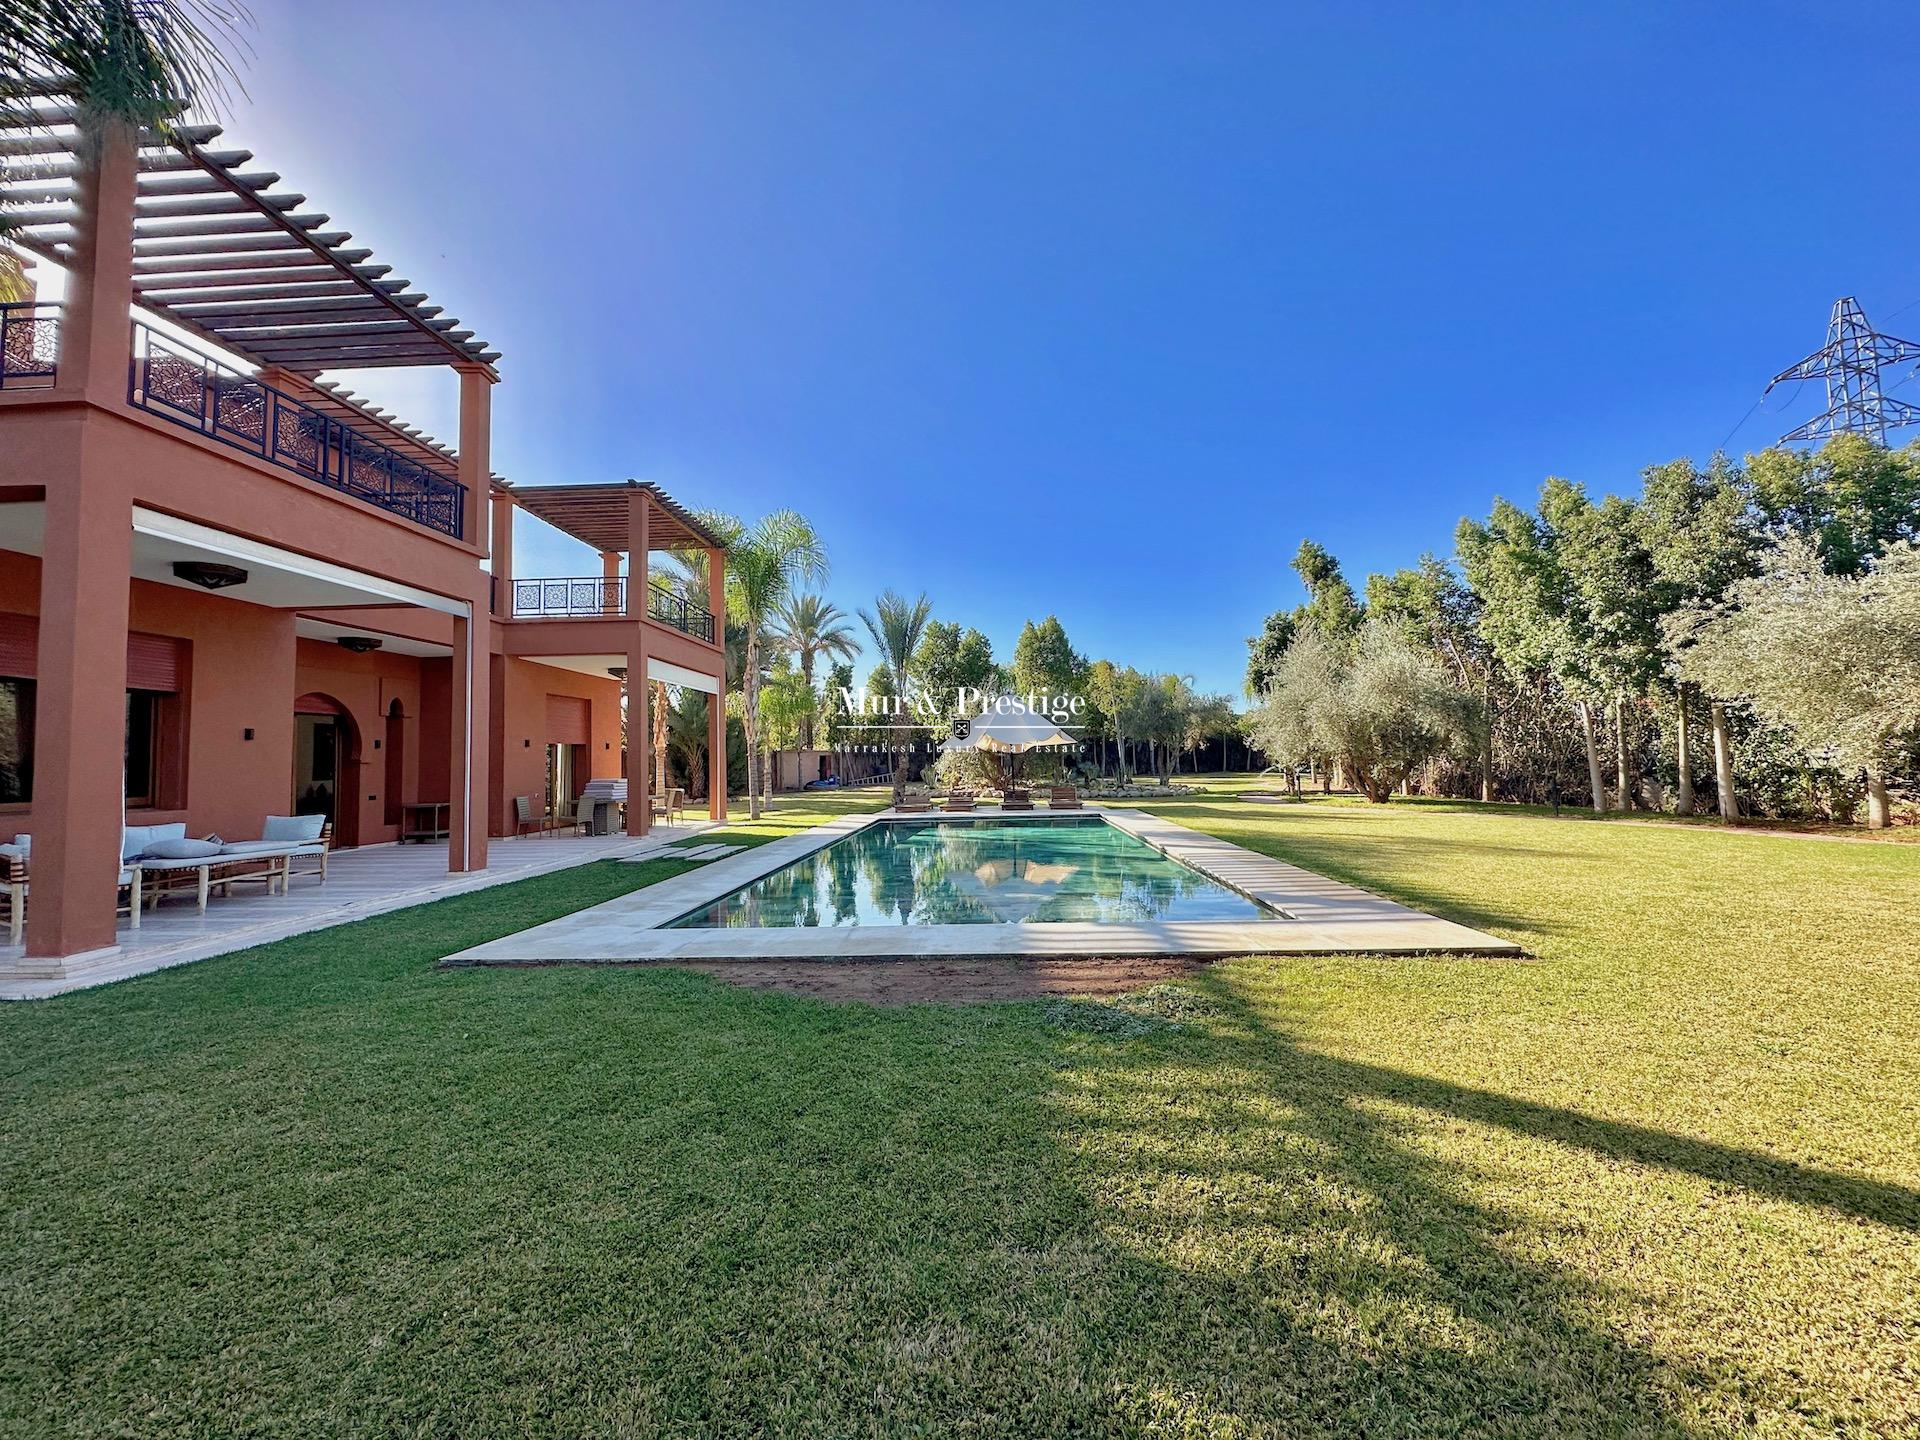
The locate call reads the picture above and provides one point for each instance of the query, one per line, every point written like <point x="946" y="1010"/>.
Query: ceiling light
<point x="206" y="573"/>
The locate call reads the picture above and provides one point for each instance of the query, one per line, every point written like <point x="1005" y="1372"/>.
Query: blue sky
<point x="1099" y="309"/>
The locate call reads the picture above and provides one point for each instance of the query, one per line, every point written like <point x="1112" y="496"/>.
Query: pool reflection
<point x="983" y="872"/>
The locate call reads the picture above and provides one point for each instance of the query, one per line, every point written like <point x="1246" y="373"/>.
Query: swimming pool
<point x="1045" y="868"/>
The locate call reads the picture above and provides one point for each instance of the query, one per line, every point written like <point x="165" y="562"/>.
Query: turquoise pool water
<point x="979" y="872"/>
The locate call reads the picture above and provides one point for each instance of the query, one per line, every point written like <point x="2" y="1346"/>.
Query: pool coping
<point x="1315" y="915"/>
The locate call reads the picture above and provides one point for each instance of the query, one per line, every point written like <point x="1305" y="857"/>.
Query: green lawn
<point x="1663" y="1180"/>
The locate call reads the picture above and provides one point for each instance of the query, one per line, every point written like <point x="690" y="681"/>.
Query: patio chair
<point x="669" y="804"/>
<point x="570" y="816"/>
<point x="526" y="818"/>
<point x="1063" y="797"/>
<point x="959" y="799"/>
<point x="13" y="884"/>
<point x="1016" y="799"/>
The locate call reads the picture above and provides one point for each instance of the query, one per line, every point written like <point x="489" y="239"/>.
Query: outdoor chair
<point x="959" y="799"/>
<point x="13" y="884"/>
<point x="669" y="804"/>
<point x="1015" y="799"/>
<point x="526" y="818"/>
<point x="1063" y="797"/>
<point x="567" y="817"/>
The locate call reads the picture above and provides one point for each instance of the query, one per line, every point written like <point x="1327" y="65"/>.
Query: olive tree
<point x="1833" y="658"/>
<point x="1381" y="708"/>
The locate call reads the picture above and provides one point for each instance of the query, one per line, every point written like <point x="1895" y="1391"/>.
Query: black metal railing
<point x="587" y="596"/>
<point x="29" y="345"/>
<point x="575" y="596"/>
<point x="197" y="391"/>
<point x="671" y="609"/>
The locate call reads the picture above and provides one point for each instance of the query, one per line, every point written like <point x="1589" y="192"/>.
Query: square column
<point x="80" y="714"/>
<point x="96" y="332"/>
<point x="476" y="447"/>
<point x="469" y="727"/>
<point x="639" y="692"/>
<point x="500" y="549"/>
<point x="610" y="573"/>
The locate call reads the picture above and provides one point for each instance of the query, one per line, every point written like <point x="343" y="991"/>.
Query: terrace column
<point x="500" y="547"/>
<point x="639" y="692"/>
<point x="717" y="702"/>
<point x="80" y="709"/>
<point x="610" y="574"/>
<point x="476" y="443"/>
<point x="469" y="727"/>
<point x="96" y="332"/>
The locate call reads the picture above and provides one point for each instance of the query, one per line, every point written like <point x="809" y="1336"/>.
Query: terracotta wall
<point x="522" y="728"/>
<point x="367" y="685"/>
<point x="242" y="676"/>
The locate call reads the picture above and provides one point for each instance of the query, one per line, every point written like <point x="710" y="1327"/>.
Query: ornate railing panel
<point x="585" y="596"/>
<point x="29" y="345"/>
<point x="202" y="394"/>
<point x="570" y="596"/>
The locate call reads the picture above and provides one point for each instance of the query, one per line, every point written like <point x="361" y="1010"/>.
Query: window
<point x="143" y="746"/>
<point x="16" y="741"/>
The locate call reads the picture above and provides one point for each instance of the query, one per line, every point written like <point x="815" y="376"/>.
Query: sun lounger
<point x="914" y="801"/>
<point x="1063" y="797"/>
<point x="959" y="800"/>
<point x="1016" y="800"/>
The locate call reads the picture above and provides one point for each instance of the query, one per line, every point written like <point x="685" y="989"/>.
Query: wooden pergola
<point x="600" y="515"/>
<point x="224" y="255"/>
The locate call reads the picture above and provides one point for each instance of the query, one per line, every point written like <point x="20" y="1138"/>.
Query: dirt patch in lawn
<point x="954" y="982"/>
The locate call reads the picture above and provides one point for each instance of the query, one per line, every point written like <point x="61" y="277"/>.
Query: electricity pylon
<point x="1850" y="362"/>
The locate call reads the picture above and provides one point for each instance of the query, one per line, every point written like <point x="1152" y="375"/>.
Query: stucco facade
<point x="225" y="633"/>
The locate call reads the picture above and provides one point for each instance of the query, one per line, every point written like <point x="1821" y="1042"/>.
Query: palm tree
<point x="132" y="64"/>
<point x="763" y="565"/>
<point x="895" y="625"/>
<point x="811" y="627"/>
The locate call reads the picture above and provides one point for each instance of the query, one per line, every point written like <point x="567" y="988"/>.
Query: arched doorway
<point x="326" y="765"/>
<point x="396" y="779"/>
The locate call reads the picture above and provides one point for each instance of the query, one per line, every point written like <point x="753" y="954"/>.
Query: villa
<point x="230" y="590"/>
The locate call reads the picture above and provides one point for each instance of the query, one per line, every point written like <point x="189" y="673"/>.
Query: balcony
<point x="203" y="395"/>
<point x="592" y="597"/>
<point x="29" y="345"/>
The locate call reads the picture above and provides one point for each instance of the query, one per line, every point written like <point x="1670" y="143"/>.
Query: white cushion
<point x="179" y="850"/>
<point x="134" y="839"/>
<point x="293" y="828"/>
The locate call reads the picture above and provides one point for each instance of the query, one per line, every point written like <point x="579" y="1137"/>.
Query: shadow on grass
<point x="322" y="1187"/>
<point x="1340" y="1278"/>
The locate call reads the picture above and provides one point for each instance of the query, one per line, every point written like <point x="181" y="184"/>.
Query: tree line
<point x="1756" y="622"/>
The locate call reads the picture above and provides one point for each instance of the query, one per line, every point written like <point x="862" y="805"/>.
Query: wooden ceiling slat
<point x="597" y="514"/>
<point x="196" y="216"/>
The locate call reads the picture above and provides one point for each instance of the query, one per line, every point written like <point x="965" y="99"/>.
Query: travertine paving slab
<point x="1312" y="915"/>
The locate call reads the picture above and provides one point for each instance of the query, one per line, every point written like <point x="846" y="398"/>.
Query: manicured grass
<point x="1662" y="1180"/>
